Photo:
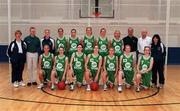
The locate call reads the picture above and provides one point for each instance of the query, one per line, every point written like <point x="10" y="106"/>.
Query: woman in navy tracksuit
<point x="17" y="54"/>
<point x="158" y="52"/>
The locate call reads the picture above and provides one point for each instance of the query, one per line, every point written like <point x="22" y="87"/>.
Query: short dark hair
<point x="60" y="29"/>
<point x="80" y="44"/>
<point x="102" y="29"/>
<point x="73" y="30"/>
<point x="18" y="31"/>
<point x="31" y="28"/>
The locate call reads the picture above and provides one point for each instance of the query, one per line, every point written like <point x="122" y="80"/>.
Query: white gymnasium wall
<point x="139" y="14"/>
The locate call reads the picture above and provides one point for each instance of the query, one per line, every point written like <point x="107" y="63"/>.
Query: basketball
<point x="94" y="86"/>
<point x="61" y="85"/>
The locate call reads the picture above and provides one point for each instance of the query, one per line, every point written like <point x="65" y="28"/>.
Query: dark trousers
<point x="158" y="69"/>
<point x="17" y="68"/>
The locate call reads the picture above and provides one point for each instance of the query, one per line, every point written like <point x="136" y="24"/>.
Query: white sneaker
<point x="15" y="84"/>
<point x="71" y="87"/>
<point x="52" y="87"/>
<point x="41" y="85"/>
<point x="105" y="87"/>
<point x="161" y="86"/>
<point x="119" y="88"/>
<point x="138" y="89"/>
<point x="128" y="86"/>
<point x="88" y="88"/>
<point x="22" y="83"/>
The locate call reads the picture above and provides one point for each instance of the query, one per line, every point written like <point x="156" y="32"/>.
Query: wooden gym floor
<point x="33" y="99"/>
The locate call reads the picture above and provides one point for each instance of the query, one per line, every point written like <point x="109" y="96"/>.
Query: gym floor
<point x="33" y="99"/>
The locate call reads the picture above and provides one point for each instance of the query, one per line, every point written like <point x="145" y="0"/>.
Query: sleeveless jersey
<point x="73" y="44"/>
<point x="94" y="62"/>
<point x="60" y="63"/>
<point x="127" y="62"/>
<point x="117" y="45"/>
<point x="61" y="42"/>
<point x="47" y="61"/>
<point x="103" y="46"/>
<point x="110" y="63"/>
<point x="145" y="63"/>
<point x="78" y="63"/>
<point x="88" y="44"/>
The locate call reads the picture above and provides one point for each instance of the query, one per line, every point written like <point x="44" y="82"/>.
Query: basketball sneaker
<point x="41" y="85"/>
<point x="52" y="87"/>
<point x="22" y="83"/>
<point x="105" y="87"/>
<point x="138" y="89"/>
<point x="119" y="88"/>
<point x="16" y="84"/>
<point x="161" y="86"/>
<point x="88" y="88"/>
<point x="71" y="88"/>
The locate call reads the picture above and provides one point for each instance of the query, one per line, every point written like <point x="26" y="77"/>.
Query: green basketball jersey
<point x="73" y="44"/>
<point x="103" y="46"/>
<point x="60" y="63"/>
<point x="78" y="63"/>
<point x="145" y="63"/>
<point x="93" y="62"/>
<point x="61" y="42"/>
<point x="110" y="63"/>
<point x="88" y="44"/>
<point x="127" y="62"/>
<point x="117" y="45"/>
<point x="47" y="61"/>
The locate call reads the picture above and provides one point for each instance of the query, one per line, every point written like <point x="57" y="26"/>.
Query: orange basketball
<point x="61" y="85"/>
<point x="94" y="86"/>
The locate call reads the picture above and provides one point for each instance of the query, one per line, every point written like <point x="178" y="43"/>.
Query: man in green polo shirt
<point x="33" y="48"/>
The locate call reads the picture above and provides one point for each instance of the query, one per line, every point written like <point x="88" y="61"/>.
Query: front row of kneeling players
<point x="56" y="69"/>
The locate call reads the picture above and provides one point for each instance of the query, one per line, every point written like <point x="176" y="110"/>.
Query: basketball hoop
<point x="96" y="14"/>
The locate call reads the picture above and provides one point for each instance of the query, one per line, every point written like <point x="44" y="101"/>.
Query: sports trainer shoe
<point x="16" y="84"/>
<point x="105" y="87"/>
<point x="161" y="86"/>
<point x="71" y="88"/>
<point x="119" y="88"/>
<point x="41" y="85"/>
<point x="138" y="89"/>
<point x="52" y="87"/>
<point x="22" y="83"/>
<point x="88" y="88"/>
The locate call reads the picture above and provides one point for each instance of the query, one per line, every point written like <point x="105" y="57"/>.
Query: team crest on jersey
<point x="61" y="45"/>
<point x="78" y="64"/>
<point x="117" y="48"/>
<point x="89" y="44"/>
<point x="144" y="67"/>
<point x="73" y="45"/>
<point x="103" y="47"/>
<point x="59" y="65"/>
<point x="111" y="65"/>
<point x="127" y="66"/>
<point x="46" y="64"/>
<point x="94" y="65"/>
